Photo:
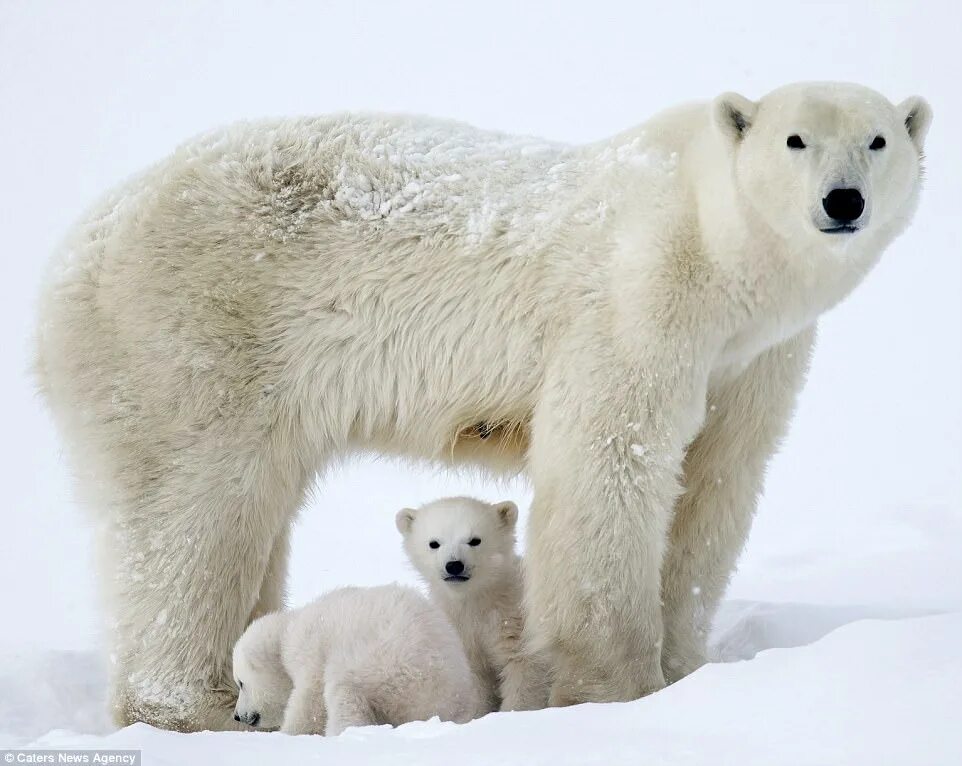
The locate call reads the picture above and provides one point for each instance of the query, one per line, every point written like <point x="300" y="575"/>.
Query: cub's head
<point x="459" y="543"/>
<point x="263" y="684"/>
<point x="826" y="162"/>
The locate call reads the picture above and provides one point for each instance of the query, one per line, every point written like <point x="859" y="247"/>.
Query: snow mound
<point x="744" y="628"/>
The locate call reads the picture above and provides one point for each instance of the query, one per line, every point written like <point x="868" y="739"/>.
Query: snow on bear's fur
<point x="353" y="657"/>
<point x="628" y="321"/>
<point x="464" y="550"/>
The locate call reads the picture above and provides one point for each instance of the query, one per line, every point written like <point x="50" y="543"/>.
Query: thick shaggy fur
<point x="354" y="657"/>
<point x="484" y="601"/>
<point x="627" y="321"/>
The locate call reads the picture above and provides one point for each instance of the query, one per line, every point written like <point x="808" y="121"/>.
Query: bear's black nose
<point x="236" y="717"/>
<point x="844" y="205"/>
<point x="454" y="567"/>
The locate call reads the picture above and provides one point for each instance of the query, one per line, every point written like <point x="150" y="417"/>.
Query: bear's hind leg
<point x="190" y="556"/>
<point x="273" y="589"/>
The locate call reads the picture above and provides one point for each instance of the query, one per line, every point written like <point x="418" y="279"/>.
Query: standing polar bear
<point x="629" y="322"/>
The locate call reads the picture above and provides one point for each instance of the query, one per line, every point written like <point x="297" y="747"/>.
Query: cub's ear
<point x="917" y="116"/>
<point x="404" y="520"/>
<point x="733" y="115"/>
<point x="507" y="513"/>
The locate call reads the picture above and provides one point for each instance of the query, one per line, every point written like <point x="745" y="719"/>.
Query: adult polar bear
<point x="628" y="321"/>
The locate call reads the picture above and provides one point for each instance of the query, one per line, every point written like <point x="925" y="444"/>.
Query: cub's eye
<point x="795" y="142"/>
<point x="878" y="143"/>
<point x="474" y="541"/>
<point x="434" y="544"/>
<point x="240" y="684"/>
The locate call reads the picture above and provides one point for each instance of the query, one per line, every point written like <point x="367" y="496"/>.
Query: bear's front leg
<point x="306" y="712"/>
<point x="608" y="439"/>
<point x="724" y="471"/>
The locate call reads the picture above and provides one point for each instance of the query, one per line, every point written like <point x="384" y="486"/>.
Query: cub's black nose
<point x="844" y="205"/>
<point x="236" y="717"/>
<point x="454" y="567"/>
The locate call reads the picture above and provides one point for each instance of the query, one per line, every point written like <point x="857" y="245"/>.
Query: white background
<point x="863" y="503"/>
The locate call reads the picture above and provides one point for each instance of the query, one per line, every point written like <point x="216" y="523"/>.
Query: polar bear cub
<point x="464" y="550"/>
<point x="353" y="657"/>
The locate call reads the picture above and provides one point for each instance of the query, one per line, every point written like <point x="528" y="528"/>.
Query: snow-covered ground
<point x="841" y="641"/>
<point x="874" y="691"/>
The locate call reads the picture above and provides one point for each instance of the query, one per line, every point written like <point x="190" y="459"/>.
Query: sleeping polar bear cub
<point x="464" y="550"/>
<point x="353" y="657"/>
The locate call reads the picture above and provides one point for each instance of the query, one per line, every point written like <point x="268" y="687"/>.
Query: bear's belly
<point x="499" y="446"/>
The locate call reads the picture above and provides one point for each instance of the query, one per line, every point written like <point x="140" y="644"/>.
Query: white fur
<point x="353" y="657"/>
<point x="484" y="601"/>
<point x="628" y="321"/>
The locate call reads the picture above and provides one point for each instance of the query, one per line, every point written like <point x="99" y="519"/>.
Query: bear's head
<point x="458" y="544"/>
<point x="826" y="163"/>
<point x="263" y="685"/>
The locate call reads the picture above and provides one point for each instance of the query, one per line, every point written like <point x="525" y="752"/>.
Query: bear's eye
<point x="878" y="143"/>
<point x="474" y="541"/>
<point x="434" y="544"/>
<point x="795" y="142"/>
<point x="240" y="684"/>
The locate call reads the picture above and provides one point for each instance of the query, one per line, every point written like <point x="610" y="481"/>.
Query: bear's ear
<point x="404" y="520"/>
<point x="733" y="115"/>
<point x="917" y="116"/>
<point x="507" y="513"/>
